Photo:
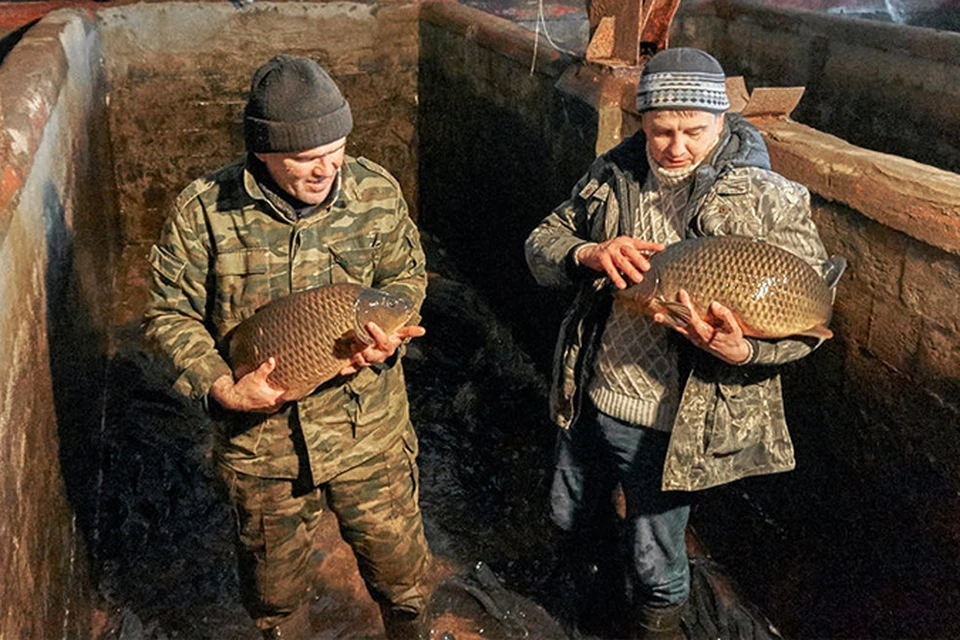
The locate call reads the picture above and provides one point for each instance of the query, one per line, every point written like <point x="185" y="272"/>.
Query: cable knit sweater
<point x="636" y="378"/>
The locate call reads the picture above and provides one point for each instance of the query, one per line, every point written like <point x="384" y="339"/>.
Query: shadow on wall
<point x="135" y="463"/>
<point x="487" y="178"/>
<point x="77" y="362"/>
<point x="10" y="40"/>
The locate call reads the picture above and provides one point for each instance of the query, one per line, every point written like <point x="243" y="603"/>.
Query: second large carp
<point x="772" y="292"/>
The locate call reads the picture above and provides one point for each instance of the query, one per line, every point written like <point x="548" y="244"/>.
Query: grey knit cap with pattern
<point x="680" y="79"/>
<point x="294" y="106"/>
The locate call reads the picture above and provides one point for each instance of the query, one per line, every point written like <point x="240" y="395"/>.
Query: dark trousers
<point x="595" y="455"/>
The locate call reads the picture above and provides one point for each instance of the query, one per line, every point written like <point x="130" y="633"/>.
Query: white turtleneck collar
<point x="677" y="177"/>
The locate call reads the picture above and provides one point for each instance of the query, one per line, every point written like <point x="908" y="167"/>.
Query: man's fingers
<point x="381" y="339"/>
<point x="612" y="271"/>
<point x="685" y="300"/>
<point x="263" y="373"/>
<point x="696" y="326"/>
<point x="267" y="367"/>
<point x="411" y="331"/>
<point x="629" y="265"/>
<point x="646" y="246"/>
<point x="636" y="259"/>
<point x="723" y="317"/>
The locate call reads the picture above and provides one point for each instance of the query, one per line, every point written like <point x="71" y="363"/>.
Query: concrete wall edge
<point x="922" y="42"/>
<point x="30" y="87"/>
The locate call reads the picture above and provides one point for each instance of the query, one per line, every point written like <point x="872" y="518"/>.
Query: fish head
<point x="386" y="310"/>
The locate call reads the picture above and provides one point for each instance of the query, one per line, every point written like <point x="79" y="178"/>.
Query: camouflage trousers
<point x="377" y="509"/>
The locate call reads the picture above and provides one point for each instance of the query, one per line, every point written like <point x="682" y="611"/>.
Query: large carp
<point x="311" y="333"/>
<point x="772" y="292"/>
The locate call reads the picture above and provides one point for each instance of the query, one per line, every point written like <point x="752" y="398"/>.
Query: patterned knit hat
<point x="294" y="106"/>
<point x="682" y="78"/>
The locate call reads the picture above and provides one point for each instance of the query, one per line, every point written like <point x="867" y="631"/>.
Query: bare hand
<point x="252" y="392"/>
<point x="619" y="257"/>
<point x="717" y="333"/>
<point x="382" y="348"/>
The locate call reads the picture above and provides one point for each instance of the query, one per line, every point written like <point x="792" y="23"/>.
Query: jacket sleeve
<point x="784" y="210"/>
<point x="401" y="269"/>
<point x="551" y="245"/>
<point x="174" y="320"/>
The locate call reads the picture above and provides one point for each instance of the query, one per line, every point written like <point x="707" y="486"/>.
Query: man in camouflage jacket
<point x="296" y="213"/>
<point x="628" y="414"/>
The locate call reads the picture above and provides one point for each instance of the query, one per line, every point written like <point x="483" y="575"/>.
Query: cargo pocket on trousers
<point x="410" y="450"/>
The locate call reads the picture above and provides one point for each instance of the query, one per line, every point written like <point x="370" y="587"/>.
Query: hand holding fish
<point x="382" y="348"/>
<point x="251" y="392"/>
<point x="619" y="257"/>
<point x="717" y="332"/>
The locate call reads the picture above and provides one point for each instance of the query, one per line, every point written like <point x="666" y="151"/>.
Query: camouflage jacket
<point x="731" y="422"/>
<point x="226" y="251"/>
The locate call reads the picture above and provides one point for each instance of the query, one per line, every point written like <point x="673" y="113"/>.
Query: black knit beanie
<point x="682" y="78"/>
<point x="294" y="105"/>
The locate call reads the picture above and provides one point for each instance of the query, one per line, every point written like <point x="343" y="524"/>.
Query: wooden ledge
<point x="498" y="34"/>
<point x="916" y="199"/>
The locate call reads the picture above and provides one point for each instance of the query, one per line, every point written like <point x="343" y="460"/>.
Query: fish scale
<point x="310" y="333"/>
<point x="772" y="292"/>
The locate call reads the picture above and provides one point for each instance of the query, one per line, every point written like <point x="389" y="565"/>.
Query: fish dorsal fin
<point x="833" y="269"/>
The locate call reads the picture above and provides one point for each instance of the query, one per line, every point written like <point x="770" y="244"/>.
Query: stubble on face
<point x="307" y="175"/>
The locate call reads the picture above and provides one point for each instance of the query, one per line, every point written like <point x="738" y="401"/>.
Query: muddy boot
<point x="657" y="623"/>
<point x="296" y="626"/>
<point x="402" y="625"/>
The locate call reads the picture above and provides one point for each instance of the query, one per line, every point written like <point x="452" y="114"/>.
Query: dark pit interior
<point x="122" y="527"/>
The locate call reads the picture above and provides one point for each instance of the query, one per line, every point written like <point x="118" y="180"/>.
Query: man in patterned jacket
<point x="297" y="212"/>
<point x="641" y="407"/>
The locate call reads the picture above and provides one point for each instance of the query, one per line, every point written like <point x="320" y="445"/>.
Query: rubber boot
<point x="657" y="623"/>
<point x="295" y="627"/>
<point x="402" y="625"/>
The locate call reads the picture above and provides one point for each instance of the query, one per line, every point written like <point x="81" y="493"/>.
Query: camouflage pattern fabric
<point x="378" y="514"/>
<point x="228" y="249"/>
<point x="731" y="422"/>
